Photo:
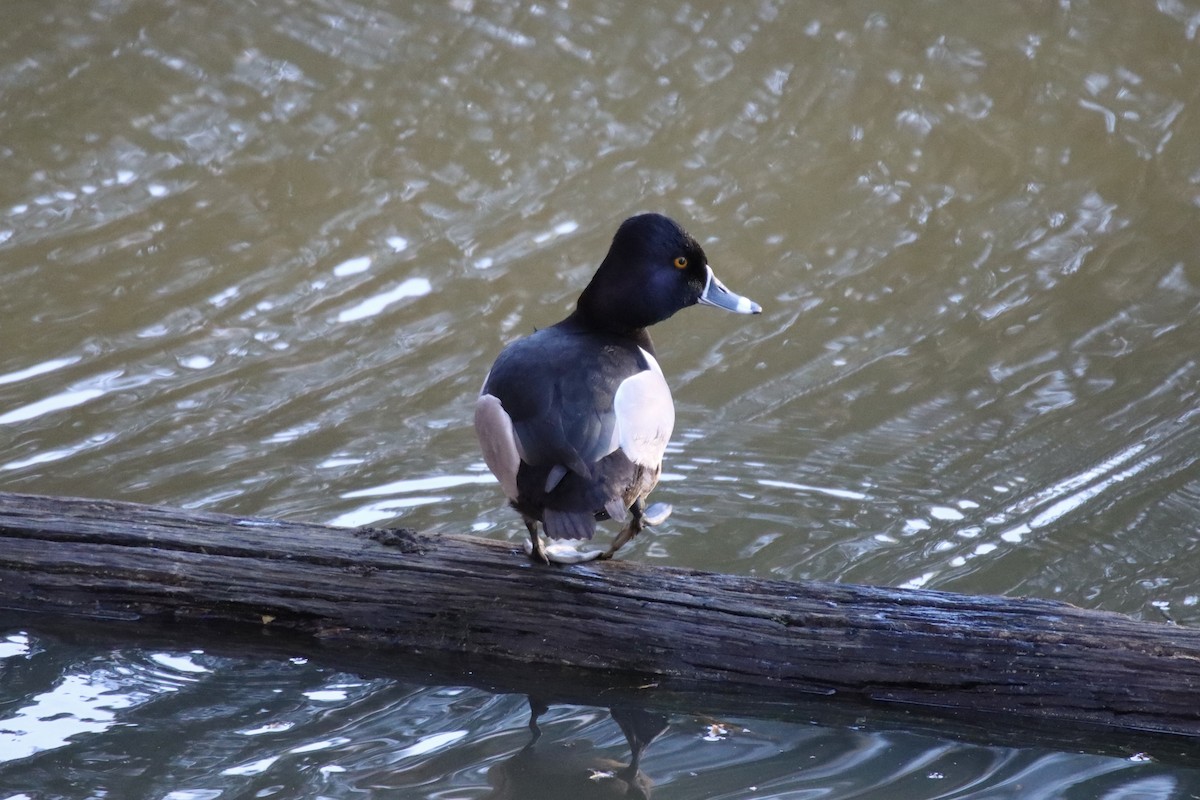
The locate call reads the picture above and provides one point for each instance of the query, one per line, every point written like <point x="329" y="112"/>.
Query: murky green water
<point x="257" y="258"/>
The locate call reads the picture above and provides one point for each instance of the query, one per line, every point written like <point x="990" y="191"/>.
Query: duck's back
<point x="590" y="416"/>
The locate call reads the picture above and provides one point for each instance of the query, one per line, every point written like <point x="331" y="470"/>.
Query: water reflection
<point x="406" y="494"/>
<point x="576" y="768"/>
<point x="195" y="723"/>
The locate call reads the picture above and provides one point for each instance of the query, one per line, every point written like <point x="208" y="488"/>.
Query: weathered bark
<point x="618" y="623"/>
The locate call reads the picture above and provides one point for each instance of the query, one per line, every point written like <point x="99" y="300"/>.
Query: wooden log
<point x="456" y="599"/>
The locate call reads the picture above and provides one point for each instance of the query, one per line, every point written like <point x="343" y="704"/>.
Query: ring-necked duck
<point x="573" y="420"/>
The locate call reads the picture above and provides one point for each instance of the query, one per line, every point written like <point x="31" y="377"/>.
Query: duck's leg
<point x="642" y="518"/>
<point x="538" y="550"/>
<point x="628" y="532"/>
<point x="640" y="727"/>
<point x="536" y="708"/>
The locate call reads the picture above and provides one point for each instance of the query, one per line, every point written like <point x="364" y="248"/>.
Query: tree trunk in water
<point x="457" y="597"/>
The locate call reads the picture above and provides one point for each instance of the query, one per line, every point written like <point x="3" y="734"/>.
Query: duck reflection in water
<point x="576" y="768"/>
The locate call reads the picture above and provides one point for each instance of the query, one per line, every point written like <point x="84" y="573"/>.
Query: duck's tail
<point x="568" y="524"/>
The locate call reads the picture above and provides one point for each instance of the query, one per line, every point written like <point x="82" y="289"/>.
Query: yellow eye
<point x="681" y="262"/>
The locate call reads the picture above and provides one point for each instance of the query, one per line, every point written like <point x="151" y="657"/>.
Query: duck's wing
<point x="497" y="440"/>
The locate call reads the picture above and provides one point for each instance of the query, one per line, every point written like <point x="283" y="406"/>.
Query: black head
<point x="653" y="269"/>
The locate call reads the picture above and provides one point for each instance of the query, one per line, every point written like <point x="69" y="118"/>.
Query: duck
<point x="573" y="420"/>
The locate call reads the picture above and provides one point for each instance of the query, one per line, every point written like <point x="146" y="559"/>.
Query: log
<point x="460" y="604"/>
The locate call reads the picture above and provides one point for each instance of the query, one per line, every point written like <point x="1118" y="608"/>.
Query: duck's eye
<point x="681" y="262"/>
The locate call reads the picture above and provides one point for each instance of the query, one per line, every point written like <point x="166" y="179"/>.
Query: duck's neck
<point x="581" y="320"/>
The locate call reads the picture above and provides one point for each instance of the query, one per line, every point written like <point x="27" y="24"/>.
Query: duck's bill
<point x="715" y="294"/>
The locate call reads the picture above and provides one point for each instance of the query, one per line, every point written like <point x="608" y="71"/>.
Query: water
<point x="257" y="259"/>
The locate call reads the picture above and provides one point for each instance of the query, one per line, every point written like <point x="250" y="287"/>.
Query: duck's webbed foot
<point x="555" y="552"/>
<point x="657" y="514"/>
<point x="642" y="518"/>
<point x="562" y="553"/>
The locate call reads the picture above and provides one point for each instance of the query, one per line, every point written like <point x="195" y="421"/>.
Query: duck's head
<point x="653" y="269"/>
